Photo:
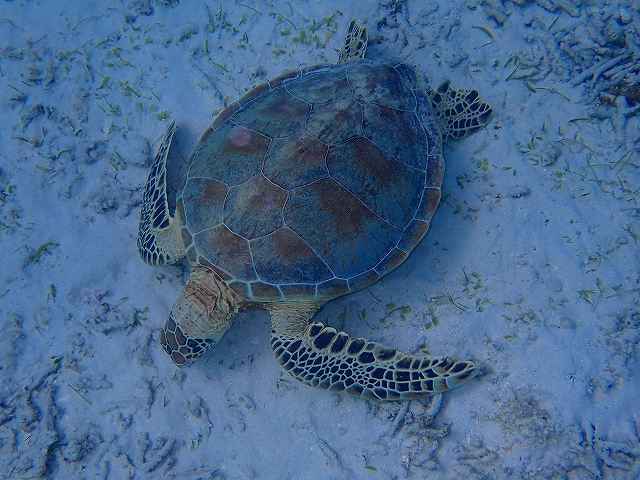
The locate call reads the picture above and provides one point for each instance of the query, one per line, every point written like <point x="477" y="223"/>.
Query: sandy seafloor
<point x="531" y="266"/>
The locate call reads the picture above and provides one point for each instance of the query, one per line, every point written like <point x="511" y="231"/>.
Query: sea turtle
<point x="311" y="186"/>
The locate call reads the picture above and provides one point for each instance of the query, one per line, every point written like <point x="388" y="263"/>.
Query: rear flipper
<point x="355" y="43"/>
<point x="324" y="358"/>
<point x="459" y="113"/>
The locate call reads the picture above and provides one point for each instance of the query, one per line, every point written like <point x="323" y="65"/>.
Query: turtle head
<point x="200" y="316"/>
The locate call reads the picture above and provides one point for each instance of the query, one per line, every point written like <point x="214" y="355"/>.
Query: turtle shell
<point x="315" y="184"/>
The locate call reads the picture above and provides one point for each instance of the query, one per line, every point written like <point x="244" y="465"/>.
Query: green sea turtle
<point x="311" y="186"/>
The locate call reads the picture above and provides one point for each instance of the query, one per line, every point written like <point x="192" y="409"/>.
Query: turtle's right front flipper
<point x="322" y="357"/>
<point x="159" y="239"/>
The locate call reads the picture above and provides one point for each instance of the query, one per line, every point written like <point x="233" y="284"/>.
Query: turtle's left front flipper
<point x="159" y="240"/>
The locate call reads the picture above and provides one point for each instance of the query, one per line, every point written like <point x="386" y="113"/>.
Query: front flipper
<point x="321" y="357"/>
<point x="159" y="240"/>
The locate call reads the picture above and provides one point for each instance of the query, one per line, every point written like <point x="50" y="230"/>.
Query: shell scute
<point x="435" y="171"/>
<point x="264" y="291"/>
<point x="276" y="114"/>
<point x="412" y="235"/>
<point x="364" y="279"/>
<point x="398" y="133"/>
<point x="382" y="85"/>
<point x="298" y="290"/>
<point x="254" y="93"/>
<point x="296" y="160"/>
<point x="284" y="254"/>
<point x="227" y="251"/>
<point x="391" y="261"/>
<point x="203" y="200"/>
<point x="221" y="118"/>
<point x="320" y="87"/>
<point x="285" y="78"/>
<point x="232" y="154"/>
<point x="428" y="204"/>
<point x="335" y="122"/>
<point x="332" y="288"/>
<point x="254" y="208"/>
<point x="408" y="75"/>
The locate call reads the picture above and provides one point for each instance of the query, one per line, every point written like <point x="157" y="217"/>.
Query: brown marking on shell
<point x="412" y="234"/>
<point x="348" y="235"/>
<point x="277" y="114"/>
<point x="332" y="288"/>
<point x="391" y="261"/>
<point x="398" y="133"/>
<point x="336" y="121"/>
<point x="390" y="188"/>
<point x="381" y="85"/>
<point x="295" y="160"/>
<point x="284" y="254"/>
<point x="429" y="204"/>
<point x="254" y="208"/>
<point x="203" y="199"/>
<point x="232" y="154"/>
<point x="226" y="250"/>
<point x="240" y="137"/>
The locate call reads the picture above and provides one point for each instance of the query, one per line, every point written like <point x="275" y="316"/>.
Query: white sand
<point x="531" y="266"/>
